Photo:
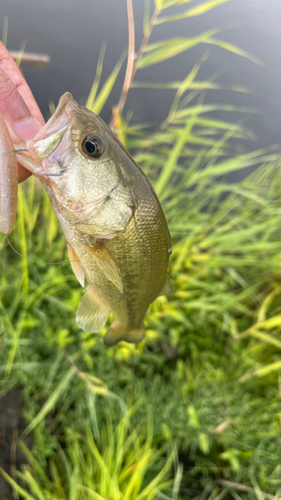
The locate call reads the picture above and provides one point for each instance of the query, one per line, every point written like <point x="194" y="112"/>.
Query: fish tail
<point x="117" y="332"/>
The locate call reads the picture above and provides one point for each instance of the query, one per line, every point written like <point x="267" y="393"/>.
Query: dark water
<point x="71" y="32"/>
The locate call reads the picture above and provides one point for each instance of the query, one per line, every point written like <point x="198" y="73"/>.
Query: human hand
<point x="17" y="105"/>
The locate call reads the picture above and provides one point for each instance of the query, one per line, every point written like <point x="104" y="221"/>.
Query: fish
<point x="117" y="235"/>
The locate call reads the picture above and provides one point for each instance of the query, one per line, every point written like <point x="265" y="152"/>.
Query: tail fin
<point x="116" y="333"/>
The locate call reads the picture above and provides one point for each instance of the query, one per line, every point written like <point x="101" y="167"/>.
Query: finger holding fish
<point x="20" y="120"/>
<point x="17" y="105"/>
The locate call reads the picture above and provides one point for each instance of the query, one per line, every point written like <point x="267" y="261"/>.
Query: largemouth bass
<point x="117" y="235"/>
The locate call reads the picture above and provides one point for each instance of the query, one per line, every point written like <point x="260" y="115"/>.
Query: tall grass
<point x="209" y="367"/>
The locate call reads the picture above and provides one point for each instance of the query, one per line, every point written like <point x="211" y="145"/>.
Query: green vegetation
<point x="194" y="410"/>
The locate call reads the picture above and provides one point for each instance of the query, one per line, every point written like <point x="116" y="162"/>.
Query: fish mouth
<point x="48" y="139"/>
<point x="50" y="136"/>
<point x="60" y="119"/>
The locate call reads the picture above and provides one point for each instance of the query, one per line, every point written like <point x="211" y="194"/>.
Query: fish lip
<point x="59" y="122"/>
<point x="66" y="106"/>
<point x="64" y="100"/>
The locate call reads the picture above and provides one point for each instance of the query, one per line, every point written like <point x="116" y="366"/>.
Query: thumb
<point x="21" y="124"/>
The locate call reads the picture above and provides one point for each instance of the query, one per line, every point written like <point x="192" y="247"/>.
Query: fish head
<point x="77" y="158"/>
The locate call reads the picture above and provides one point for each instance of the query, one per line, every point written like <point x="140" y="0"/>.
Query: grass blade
<point x="233" y="48"/>
<point x="164" y="50"/>
<point x="97" y="104"/>
<point x="15" y="486"/>
<point x="170" y="164"/>
<point x="51" y="402"/>
<point x="195" y="11"/>
<point x="94" y="89"/>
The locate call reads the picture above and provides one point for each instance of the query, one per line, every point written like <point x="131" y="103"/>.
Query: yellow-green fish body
<point x="117" y="234"/>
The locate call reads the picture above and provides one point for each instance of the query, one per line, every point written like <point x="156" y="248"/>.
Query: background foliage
<point x="194" y="410"/>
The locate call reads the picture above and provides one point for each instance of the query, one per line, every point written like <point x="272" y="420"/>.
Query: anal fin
<point x="91" y="316"/>
<point x="107" y="264"/>
<point x="76" y="265"/>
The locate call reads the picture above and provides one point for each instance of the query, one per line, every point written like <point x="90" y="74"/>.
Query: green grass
<point x="119" y="464"/>
<point x="194" y="410"/>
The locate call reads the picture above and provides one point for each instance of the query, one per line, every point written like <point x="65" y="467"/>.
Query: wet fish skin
<point x="117" y="234"/>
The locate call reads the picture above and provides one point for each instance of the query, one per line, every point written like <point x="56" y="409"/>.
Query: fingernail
<point x="26" y="129"/>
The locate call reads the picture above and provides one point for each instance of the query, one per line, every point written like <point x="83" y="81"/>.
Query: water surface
<point x="71" y="32"/>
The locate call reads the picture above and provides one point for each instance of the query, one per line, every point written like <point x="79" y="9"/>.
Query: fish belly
<point x="140" y="253"/>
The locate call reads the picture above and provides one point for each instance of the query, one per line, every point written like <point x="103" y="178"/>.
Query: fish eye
<point x="92" y="146"/>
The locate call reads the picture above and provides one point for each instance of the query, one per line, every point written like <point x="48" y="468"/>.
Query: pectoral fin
<point x="167" y="288"/>
<point x="90" y="315"/>
<point x="107" y="264"/>
<point x="76" y="265"/>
